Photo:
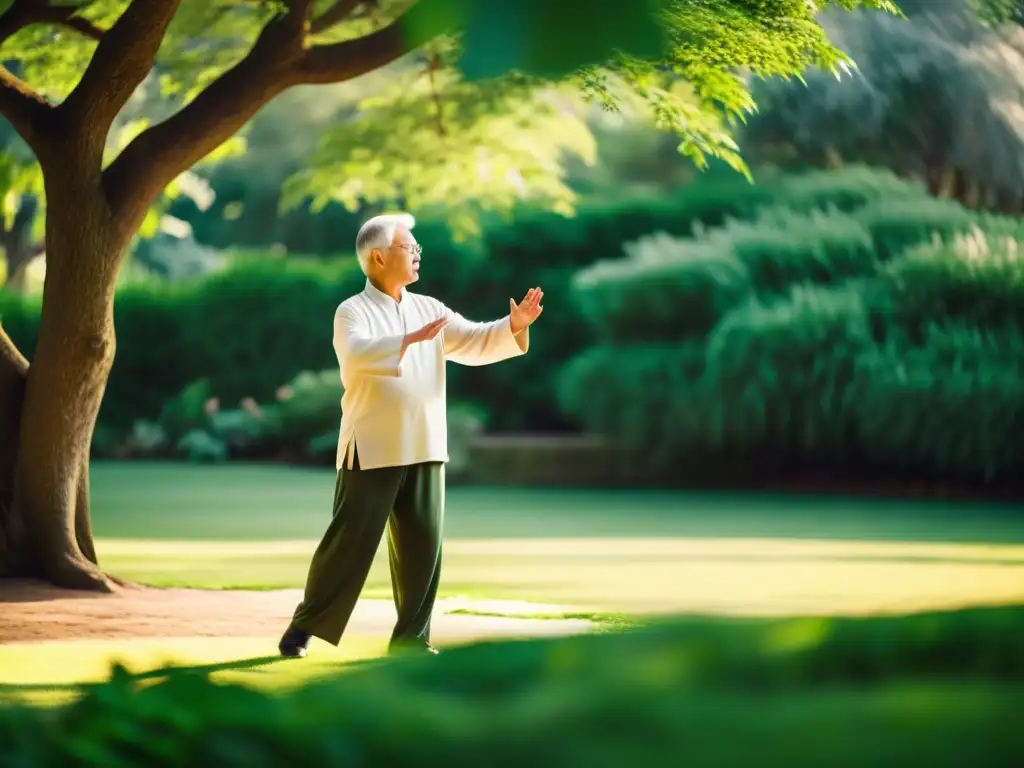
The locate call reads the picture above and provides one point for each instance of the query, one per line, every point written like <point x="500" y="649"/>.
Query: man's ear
<point x="377" y="257"/>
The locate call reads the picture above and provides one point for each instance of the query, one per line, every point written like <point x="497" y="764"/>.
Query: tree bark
<point x="51" y="534"/>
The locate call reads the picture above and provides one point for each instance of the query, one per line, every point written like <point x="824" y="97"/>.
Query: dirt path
<point x="31" y="612"/>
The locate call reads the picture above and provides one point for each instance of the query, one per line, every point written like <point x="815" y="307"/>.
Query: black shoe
<point x="293" y="643"/>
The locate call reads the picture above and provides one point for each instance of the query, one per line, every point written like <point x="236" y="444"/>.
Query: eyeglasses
<point x="414" y="248"/>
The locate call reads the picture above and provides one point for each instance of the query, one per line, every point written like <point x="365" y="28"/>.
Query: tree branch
<point x="24" y="109"/>
<point x="338" y="62"/>
<point x="333" y="15"/>
<point x="77" y="23"/>
<point x="122" y="60"/>
<point x="277" y="61"/>
<point x="24" y="13"/>
<point x="163" y="151"/>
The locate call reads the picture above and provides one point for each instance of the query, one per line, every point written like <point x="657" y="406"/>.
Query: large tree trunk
<point x="47" y="526"/>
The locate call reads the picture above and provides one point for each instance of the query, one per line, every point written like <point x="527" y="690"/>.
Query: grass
<point x="56" y="672"/>
<point x="937" y="690"/>
<point x="602" y="556"/>
<point x="621" y="552"/>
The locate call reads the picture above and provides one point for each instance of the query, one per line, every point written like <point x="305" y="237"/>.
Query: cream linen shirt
<point x="394" y="410"/>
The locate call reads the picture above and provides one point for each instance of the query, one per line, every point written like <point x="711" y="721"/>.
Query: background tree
<point x="936" y="97"/>
<point x="220" y="61"/>
<point x="20" y="191"/>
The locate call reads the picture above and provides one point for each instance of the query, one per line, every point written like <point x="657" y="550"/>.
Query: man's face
<point x="400" y="264"/>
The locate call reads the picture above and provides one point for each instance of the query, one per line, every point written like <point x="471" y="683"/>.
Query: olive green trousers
<point x="409" y="501"/>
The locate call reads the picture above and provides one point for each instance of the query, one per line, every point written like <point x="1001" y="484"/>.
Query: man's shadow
<point x="254" y="665"/>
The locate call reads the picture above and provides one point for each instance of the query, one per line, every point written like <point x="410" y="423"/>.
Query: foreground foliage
<point x="886" y="337"/>
<point x="936" y="689"/>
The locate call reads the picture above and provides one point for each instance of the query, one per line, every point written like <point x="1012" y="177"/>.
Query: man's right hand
<point x="426" y="333"/>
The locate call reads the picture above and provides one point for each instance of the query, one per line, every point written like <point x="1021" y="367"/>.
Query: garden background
<point x="795" y="398"/>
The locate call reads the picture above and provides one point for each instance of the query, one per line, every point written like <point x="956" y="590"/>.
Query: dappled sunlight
<point x="49" y="672"/>
<point x="731" y="576"/>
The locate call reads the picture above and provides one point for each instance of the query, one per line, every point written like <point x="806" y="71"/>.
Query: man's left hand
<point x="525" y="312"/>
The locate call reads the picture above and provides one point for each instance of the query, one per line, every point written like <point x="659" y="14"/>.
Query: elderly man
<point x="392" y="346"/>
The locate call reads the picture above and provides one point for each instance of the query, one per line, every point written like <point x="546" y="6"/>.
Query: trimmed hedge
<point x="976" y="279"/>
<point x="251" y="329"/>
<point x="783" y="247"/>
<point x="843" y="189"/>
<point x="934" y="689"/>
<point x="900" y="224"/>
<point x="667" y="288"/>
<point x="247" y="330"/>
<point x="841" y="357"/>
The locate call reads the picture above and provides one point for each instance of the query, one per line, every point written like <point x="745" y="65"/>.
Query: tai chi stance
<point x="392" y="346"/>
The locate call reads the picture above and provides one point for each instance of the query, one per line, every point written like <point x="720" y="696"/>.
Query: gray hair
<point x="379" y="232"/>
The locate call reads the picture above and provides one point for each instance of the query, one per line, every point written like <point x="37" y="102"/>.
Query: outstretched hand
<point x="524" y="313"/>
<point x="427" y="333"/>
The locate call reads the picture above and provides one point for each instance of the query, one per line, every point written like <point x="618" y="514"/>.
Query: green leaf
<point x="553" y="40"/>
<point x="430" y="19"/>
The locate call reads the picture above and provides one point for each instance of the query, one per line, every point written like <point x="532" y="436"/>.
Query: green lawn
<point x="51" y="673"/>
<point x="255" y="527"/>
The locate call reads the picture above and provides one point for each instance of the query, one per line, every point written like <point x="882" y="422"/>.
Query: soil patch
<point x="34" y="612"/>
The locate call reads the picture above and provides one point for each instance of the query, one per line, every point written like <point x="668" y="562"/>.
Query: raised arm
<point x="471" y="343"/>
<point x="359" y="353"/>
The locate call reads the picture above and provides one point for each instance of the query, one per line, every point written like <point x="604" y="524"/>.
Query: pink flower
<point x="251" y="406"/>
<point x="212" y="405"/>
<point x="285" y="393"/>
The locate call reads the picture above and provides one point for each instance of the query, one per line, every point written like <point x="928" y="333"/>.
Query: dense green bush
<point x="298" y="423"/>
<point x="975" y="279"/>
<point x="899" y="224"/>
<point x="910" y="363"/>
<point x="844" y="189"/>
<point x="265" y="320"/>
<point x="648" y="396"/>
<point x="667" y="288"/>
<point x="936" y="689"/>
<point x="782" y="247"/>
<point x="246" y="330"/>
<point x="252" y="328"/>
<point x="950" y="406"/>
<point x="546" y="249"/>
<point x="782" y="374"/>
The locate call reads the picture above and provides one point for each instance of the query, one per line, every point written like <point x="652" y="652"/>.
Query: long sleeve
<point x="361" y="354"/>
<point x="470" y="343"/>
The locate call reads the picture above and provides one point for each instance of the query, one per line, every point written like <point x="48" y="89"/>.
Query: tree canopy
<point x="479" y="117"/>
<point x="936" y="96"/>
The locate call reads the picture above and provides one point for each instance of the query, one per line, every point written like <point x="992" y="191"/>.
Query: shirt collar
<point x="379" y="296"/>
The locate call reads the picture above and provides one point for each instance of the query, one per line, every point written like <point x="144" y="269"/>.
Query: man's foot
<point x="293" y="643"/>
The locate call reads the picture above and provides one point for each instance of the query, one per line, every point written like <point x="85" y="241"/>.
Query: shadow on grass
<point x="252" y="665"/>
<point x="255" y="665"/>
